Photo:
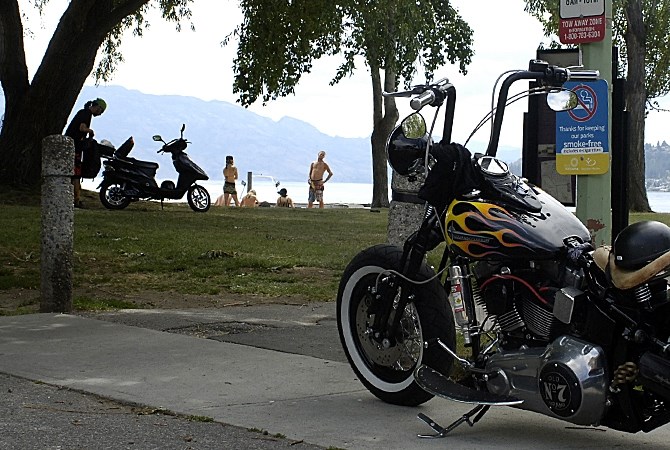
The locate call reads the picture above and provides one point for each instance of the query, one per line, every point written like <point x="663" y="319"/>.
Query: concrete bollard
<point x="406" y="210"/>
<point x="57" y="237"/>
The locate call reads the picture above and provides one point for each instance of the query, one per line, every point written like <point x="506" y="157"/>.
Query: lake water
<point x="659" y="201"/>
<point x="351" y="193"/>
<point x="354" y="193"/>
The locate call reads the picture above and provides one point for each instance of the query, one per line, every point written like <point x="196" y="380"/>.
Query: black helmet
<point x="403" y="152"/>
<point x="640" y="243"/>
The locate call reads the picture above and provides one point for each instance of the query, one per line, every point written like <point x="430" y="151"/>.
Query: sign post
<point x="585" y="135"/>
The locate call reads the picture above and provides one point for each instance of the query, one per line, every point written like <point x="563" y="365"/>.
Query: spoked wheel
<point x="111" y="195"/>
<point x="386" y="367"/>
<point x="198" y="198"/>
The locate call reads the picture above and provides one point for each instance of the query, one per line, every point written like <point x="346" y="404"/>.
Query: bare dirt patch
<point x="13" y="301"/>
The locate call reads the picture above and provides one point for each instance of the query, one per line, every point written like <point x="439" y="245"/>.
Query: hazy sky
<point x="195" y="64"/>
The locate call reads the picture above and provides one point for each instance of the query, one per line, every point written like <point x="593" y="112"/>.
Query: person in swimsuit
<point x="250" y="200"/>
<point x="284" y="201"/>
<point x="230" y="176"/>
<point x="316" y="181"/>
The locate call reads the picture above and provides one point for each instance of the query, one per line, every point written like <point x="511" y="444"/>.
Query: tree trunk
<point x="41" y="108"/>
<point x="636" y="97"/>
<point x="385" y="116"/>
<point x="13" y="68"/>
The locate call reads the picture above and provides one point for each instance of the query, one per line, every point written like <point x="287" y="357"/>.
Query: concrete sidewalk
<point x="305" y="398"/>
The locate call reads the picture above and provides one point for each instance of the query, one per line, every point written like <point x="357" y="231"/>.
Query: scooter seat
<point x="138" y="163"/>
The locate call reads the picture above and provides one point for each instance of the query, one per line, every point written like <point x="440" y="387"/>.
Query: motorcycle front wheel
<point x="111" y="195"/>
<point x="388" y="371"/>
<point x="198" y="198"/>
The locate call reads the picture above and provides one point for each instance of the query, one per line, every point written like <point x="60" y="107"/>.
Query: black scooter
<point x="128" y="180"/>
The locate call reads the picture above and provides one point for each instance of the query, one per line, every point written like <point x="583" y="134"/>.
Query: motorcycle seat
<point x="625" y="278"/>
<point x="138" y="163"/>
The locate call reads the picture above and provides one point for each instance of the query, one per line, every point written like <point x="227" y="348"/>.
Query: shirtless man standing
<point x="316" y="181"/>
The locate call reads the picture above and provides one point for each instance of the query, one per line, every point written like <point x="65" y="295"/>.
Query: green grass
<point x="96" y="304"/>
<point x="267" y="252"/>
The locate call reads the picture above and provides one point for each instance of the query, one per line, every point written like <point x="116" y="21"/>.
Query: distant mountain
<point x="283" y="149"/>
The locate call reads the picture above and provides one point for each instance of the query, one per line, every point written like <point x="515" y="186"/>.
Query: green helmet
<point x="101" y="103"/>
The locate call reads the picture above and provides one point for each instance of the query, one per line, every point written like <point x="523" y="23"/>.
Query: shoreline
<point x="304" y="206"/>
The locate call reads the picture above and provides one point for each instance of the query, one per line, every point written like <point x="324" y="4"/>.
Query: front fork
<point x="395" y="292"/>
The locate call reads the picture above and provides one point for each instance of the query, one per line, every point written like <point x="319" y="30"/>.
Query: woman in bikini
<point x="229" y="176"/>
<point x="284" y="201"/>
<point x="250" y="200"/>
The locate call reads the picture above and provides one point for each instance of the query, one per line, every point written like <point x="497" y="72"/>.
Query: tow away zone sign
<point x="582" y="21"/>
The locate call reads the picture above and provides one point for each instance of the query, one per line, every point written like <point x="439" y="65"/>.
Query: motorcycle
<point x="549" y="323"/>
<point x="128" y="180"/>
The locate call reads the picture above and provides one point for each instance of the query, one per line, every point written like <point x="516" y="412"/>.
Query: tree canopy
<point x="656" y="31"/>
<point x="88" y="31"/>
<point x="641" y="30"/>
<point x="280" y="39"/>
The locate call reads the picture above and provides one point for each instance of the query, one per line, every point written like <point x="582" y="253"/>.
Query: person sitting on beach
<point x="219" y="201"/>
<point x="250" y="200"/>
<point x="316" y="181"/>
<point x="284" y="201"/>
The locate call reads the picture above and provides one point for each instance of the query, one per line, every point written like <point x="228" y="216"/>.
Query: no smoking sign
<point x="587" y="103"/>
<point x="582" y="134"/>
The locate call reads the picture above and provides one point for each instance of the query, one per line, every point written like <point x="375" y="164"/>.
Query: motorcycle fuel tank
<point x="492" y="230"/>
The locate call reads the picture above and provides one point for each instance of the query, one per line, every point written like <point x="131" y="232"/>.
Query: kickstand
<point x="478" y="411"/>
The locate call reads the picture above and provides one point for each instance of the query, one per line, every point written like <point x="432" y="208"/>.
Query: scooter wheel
<point x="111" y="196"/>
<point x="198" y="198"/>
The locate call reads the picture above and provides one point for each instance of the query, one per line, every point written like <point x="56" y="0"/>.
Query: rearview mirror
<point x="562" y="100"/>
<point x="157" y="138"/>
<point x="414" y="126"/>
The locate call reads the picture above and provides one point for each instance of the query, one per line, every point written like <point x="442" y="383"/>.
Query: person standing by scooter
<point x="79" y="130"/>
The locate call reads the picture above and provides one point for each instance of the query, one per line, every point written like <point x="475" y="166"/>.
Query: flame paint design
<point x="485" y="230"/>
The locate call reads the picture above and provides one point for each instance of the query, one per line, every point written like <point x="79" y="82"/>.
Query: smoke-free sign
<point x="582" y="134"/>
<point x="582" y="21"/>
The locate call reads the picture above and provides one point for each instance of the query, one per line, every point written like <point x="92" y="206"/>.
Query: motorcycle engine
<point x="521" y="299"/>
<point x="555" y="374"/>
<point x="566" y="380"/>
